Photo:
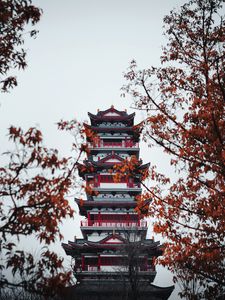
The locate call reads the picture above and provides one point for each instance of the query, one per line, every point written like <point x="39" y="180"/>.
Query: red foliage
<point x="187" y="120"/>
<point x="34" y="186"/>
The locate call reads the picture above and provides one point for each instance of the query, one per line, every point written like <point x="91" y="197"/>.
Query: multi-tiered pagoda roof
<point x="112" y="228"/>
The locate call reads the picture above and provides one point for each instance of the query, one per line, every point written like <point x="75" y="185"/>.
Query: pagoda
<point x="114" y="259"/>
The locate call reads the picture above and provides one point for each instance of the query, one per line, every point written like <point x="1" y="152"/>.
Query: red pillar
<point x="99" y="218"/>
<point x="127" y="219"/>
<point x="82" y="263"/>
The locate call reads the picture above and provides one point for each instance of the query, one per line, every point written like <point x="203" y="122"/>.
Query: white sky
<point x="76" y="64"/>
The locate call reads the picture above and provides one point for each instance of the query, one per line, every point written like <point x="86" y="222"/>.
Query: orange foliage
<point x="188" y="121"/>
<point x="33" y="201"/>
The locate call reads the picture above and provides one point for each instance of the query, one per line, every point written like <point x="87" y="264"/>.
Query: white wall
<point x="113" y="185"/>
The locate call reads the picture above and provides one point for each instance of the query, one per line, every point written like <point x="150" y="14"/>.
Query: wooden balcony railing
<point x="113" y="223"/>
<point x="123" y="144"/>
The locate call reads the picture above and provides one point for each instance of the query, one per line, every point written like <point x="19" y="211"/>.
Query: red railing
<point x="123" y="144"/>
<point x="98" y="185"/>
<point x="113" y="223"/>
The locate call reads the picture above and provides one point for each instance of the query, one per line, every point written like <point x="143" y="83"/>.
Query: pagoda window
<point x="112" y="261"/>
<point x="133" y="217"/>
<point x="120" y="218"/>
<point x="96" y="217"/>
<point x="112" y="143"/>
<point x="91" y="261"/>
<point x="106" y="178"/>
<point x="110" y="179"/>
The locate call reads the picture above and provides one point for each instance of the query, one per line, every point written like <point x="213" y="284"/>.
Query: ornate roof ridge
<point x="102" y="113"/>
<point x="111" y="155"/>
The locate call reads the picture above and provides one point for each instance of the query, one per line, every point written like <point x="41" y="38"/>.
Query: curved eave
<point x="74" y="248"/>
<point x="86" y="168"/>
<point x="144" y="166"/>
<point x="110" y="129"/>
<point x="68" y="249"/>
<point x="102" y="288"/>
<point x="108" y="165"/>
<point x="96" y="203"/>
<point x="148" y="245"/>
<point x="79" y="251"/>
<point x="102" y="117"/>
<point x="86" y="205"/>
<point x="102" y="163"/>
<point x="106" y="290"/>
<point x="138" y="127"/>
<point x="130" y="129"/>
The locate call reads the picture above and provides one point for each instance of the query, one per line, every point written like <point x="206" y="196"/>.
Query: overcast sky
<point x="76" y="65"/>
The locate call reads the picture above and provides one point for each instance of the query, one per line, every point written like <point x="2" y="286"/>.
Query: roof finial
<point x="98" y="110"/>
<point x="112" y="106"/>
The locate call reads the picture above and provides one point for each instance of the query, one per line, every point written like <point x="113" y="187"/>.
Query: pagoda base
<point x="114" y="290"/>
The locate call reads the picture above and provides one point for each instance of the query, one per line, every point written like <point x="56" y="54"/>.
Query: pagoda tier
<point x="113" y="203"/>
<point x="112" y="229"/>
<point x="112" y="116"/>
<point x="106" y="164"/>
<point x="110" y="203"/>
<point x="109" y="255"/>
<point x="113" y="242"/>
<point x="117" y="127"/>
